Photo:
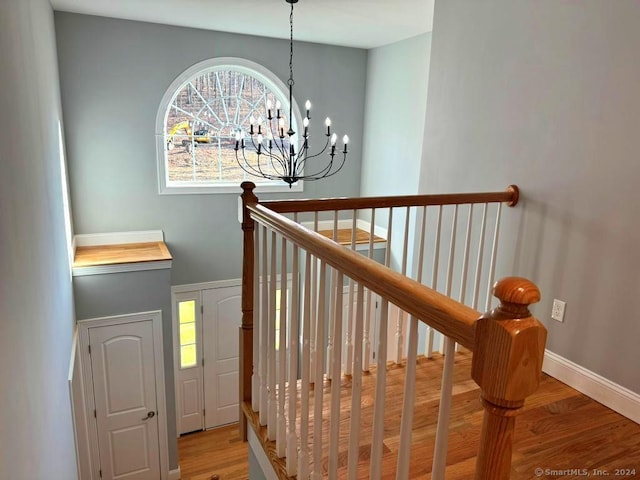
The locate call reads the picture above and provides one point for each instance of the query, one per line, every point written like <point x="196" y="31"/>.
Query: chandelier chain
<point x="291" y="82"/>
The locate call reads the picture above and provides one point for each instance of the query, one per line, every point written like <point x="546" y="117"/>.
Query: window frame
<point x="260" y="72"/>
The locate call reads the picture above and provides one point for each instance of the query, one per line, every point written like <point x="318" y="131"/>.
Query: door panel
<point x="123" y="370"/>
<point x="222" y="317"/>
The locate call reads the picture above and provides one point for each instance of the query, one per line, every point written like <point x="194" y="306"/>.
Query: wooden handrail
<point x="440" y="312"/>
<point x="510" y="196"/>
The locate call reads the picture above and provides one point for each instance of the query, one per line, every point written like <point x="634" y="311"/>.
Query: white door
<point x="221" y="319"/>
<point x="124" y="384"/>
<point x="188" y="365"/>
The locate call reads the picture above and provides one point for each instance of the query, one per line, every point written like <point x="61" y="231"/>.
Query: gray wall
<point x="395" y="110"/>
<point x="396" y="103"/>
<point x="36" y="303"/>
<point x="114" y="74"/>
<point x="545" y="94"/>
<point x="133" y="292"/>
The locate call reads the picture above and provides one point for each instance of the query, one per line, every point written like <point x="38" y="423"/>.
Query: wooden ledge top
<point x="100" y="255"/>
<point x="344" y="236"/>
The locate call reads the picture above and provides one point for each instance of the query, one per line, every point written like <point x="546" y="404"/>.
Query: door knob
<point x="149" y="415"/>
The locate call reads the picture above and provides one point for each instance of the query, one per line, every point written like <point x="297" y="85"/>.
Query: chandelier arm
<point x="274" y="139"/>
<point x="247" y="167"/>
<point x="323" y="172"/>
<point x="279" y="162"/>
<point x="323" y="150"/>
<point x="315" y="177"/>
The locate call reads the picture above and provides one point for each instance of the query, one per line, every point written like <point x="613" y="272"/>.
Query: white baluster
<point x="494" y="254"/>
<point x="303" y="457"/>
<point x="375" y="468"/>
<point x="465" y="257"/>
<point x="404" y="450"/>
<point x="318" y="390"/>
<point x="334" y="433"/>
<point x="442" y="429"/>
<point x="401" y="313"/>
<point x="434" y="277"/>
<point x="255" y="377"/>
<point x="314" y="306"/>
<point x="406" y="424"/>
<point x="332" y="305"/>
<point x="264" y="333"/>
<point x="282" y="356"/>
<point x="292" y="386"/>
<point x="465" y="261"/>
<point x="348" y="367"/>
<point x="366" y="341"/>
<point x="476" y="286"/>
<point x="271" y="345"/>
<point x="356" y="391"/>
<point x="452" y="254"/>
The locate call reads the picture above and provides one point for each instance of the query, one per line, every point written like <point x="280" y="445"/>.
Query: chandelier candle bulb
<point x="307" y="106"/>
<point x="305" y="122"/>
<point x="269" y="107"/>
<point x="278" y="107"/>
<point x="345" y="140"/>
<point x="327" y="122"/>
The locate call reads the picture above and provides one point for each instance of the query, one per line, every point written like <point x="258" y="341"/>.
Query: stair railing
<point x="507" y="343"/>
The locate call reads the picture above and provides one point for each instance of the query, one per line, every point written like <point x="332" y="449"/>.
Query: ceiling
<point x="354" y="23"/>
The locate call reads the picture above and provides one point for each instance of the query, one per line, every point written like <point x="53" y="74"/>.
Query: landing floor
<point x="559" y="429"/>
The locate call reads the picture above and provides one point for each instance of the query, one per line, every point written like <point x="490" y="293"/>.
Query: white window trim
<point x="249" y="67"/>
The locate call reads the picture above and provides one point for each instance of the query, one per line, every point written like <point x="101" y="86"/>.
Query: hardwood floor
<point x="560" y="429"/>
<point x="214" y="452"/>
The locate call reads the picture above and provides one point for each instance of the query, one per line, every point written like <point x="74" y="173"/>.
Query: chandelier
<point x="270" y="147"/>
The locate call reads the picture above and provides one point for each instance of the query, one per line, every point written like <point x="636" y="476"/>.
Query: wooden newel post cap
<point x="515" y="295"/>
<point x="247" y="186"/>
<point x="509" y="345"/>
<point x="247" y="198"/>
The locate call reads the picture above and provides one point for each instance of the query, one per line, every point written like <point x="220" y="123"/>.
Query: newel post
<point x="246" y="329"/>
<point x="507" y="364"/>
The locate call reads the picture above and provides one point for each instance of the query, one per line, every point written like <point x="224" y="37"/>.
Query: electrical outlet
<point x="557" y="311"/>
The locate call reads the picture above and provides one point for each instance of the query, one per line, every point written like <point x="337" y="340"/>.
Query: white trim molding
<point x="612" y="395"/>
<point x="174" y="474"/>
<point x="122" y="268"/>
<point x="192" y="287"/>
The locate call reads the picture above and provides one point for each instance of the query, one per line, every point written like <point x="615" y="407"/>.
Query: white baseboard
<point x="174" y="474"/>
<point x="612" y="395"/>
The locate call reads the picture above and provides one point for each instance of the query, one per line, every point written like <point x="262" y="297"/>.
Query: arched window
<point x="198" y="119"/>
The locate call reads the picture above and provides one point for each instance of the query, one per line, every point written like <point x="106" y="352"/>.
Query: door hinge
<point x="100" y="473"/>
<point x="203" y="361"/>
<point x="201" y="308"/>
<point x="89" y="349"/>
<point x="204" y="412"/>
<point x="95" y="414"/>
<point x="374" y="355"/>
